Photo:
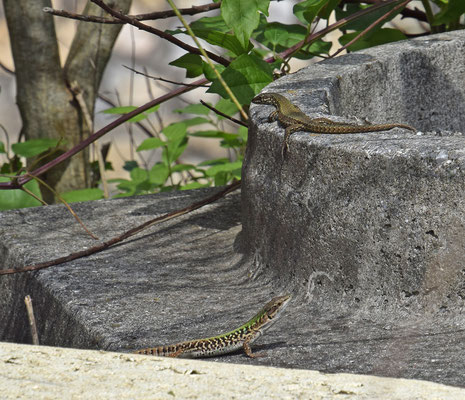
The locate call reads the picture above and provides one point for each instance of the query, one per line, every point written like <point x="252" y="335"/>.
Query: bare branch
<point x="17" y="183"/>
<point x="32" y="320"/>
<point x="98" y="248"/>
<point x="163" y="79"/>
<point x="223" y="114"/>
<point x="139" y="17"/>
<point x="157" y="32"/>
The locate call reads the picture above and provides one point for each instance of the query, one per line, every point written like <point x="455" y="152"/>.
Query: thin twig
<point x="32" y="194"/>
<point x="117" y="239"/>
<point x="223" y="114"/>
<point x="32" y="320"/>
<point x="82" y="145"/>
<point x="101" y="163"/>
<point x="371" y="26"/>
<point x="139" y="17"/>
<point x="206" y="55"/>
<point x="157" y="113"/>
<point x="139" y="124"/>
<point x="338" y="24"/>
<point x="76" y="217"/>
<point x="157" y="32"/>
<point x="163" y="79"/>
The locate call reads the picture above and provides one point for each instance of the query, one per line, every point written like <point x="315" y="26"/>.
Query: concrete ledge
<point x="41" y="372"/>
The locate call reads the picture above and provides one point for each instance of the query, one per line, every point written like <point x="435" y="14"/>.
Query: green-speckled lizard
<point x="241" y="337"/>
<point x="295" y="120"/>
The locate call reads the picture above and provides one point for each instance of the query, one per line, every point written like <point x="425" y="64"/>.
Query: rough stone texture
<point x="377" y="220"/>
<point x="55" y="373"/>
<point x="185" y="279"/>
<point x="365" y="230"/>
<point x="111" y="300"/>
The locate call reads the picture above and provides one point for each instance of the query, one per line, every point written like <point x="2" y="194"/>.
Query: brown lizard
<point x="295" y="120"/>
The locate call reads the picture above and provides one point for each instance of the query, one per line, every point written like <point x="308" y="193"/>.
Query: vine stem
<point x="204" y="53"/>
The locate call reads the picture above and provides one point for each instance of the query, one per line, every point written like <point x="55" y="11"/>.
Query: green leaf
<point x="119" y="110"/>
<point x="82" y="195"/>
<point x="126" y="186"/>
<point x="227" y="107"/>
<point x="243" y="17"/>
<point x="34" y="147"/>
<point x="130" y="165"/>
<point x="306" y="11"/>
<point x="183" y="167"/>
<point x="139" y="175"/>
<point x="127" y="109"/>
<point x="191" y="62"/>
<point x="228" y="139"/>
<point x="94" y="166"/>
<point x="195" y="121"/>
<point x="221" y="178"/>
<point x="275" y="36"/>
<point x="2" y="148"/>
<point x="243" y="132"/>
<point x="380" y="36"/>
<point x="450" y="13"/>
<point x="360" y="23"/>
<point x="224" y="40"/>
<point x="175" y="132"/>
<point x="150" y="144"/>
<point x="17" y="198"/>
<point x="215" y="161"/>
<point x="177" y="142"/>
<point x="210" y="23"/>
<point x="209" y="73"/>
<point x="226" y="167"/>
<point x="282" y="36"/>
<point x="194" y="185"/>
<point x="329" y="7"/>
<point x="11" y="167"/>
<point x="209" y="134"/>
<point x="246" y="76"/>
<point x="194" y="109"/>
<point x="159" y="174"/>
<point x="174" y="151"/>
<point x="232" y="141"/>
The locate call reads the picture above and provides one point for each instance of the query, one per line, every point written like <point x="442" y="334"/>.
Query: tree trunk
<point x="44" y="98"/>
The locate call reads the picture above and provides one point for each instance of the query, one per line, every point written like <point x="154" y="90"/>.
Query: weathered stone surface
<point x="365" y="230"/>
<point x="377" y="219"/>
<point x="46" y="372"/>
<point x="185" y="279"/>
<point x="111" y="299"/>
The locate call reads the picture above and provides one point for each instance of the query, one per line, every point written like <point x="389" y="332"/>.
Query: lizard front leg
<point x="248" y="350"/>
<point x="288" y="132"/>
<point x="273" y="116"/>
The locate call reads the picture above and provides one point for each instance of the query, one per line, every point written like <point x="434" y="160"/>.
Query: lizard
<point x="295" y="120"/>
<point x="225" y="343"/>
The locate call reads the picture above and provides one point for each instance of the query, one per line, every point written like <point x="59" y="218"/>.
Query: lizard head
<point x="264" y="98"/>
<point x="276" y="306"/>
